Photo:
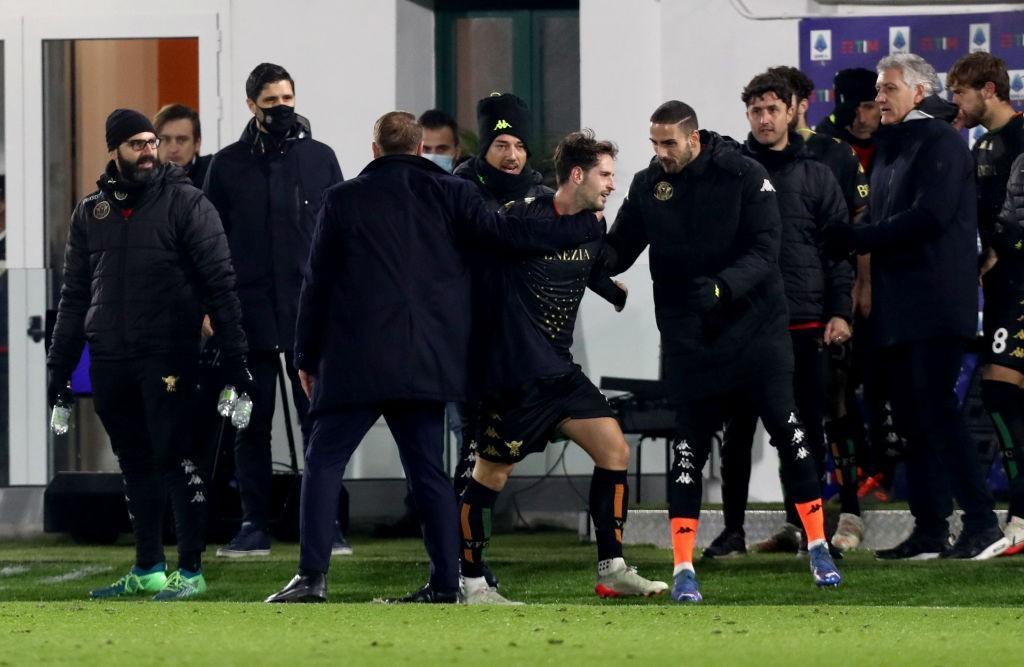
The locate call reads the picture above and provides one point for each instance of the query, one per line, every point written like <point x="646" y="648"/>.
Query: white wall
<point x="415" y="47"/>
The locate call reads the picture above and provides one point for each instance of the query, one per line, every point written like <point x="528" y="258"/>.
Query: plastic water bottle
<point x="227" y="400"/>
<point x="242" y="411"/>
<point x="60" y="418"/>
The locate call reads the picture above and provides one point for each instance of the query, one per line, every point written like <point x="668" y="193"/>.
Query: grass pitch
<point x="760" y="610"/>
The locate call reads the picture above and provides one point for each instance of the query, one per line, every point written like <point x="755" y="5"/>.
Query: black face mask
<point x="278" y="120"/>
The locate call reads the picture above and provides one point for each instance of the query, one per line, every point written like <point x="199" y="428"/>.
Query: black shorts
<point x="524" y="421"/>
<point x="1004" y="326"/>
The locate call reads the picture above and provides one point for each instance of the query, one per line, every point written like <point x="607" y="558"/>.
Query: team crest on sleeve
<point x="101" y="211"/>
<point x="663" y="191"/>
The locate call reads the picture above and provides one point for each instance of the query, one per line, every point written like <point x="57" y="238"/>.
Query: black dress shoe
<point x="427" y="595"/>
<point x="302" y="588"/>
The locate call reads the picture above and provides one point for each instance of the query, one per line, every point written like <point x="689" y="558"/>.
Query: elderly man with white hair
<point x="921" y="231"/>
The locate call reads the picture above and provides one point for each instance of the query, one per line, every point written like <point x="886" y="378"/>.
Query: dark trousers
<point x="418" y="428"/>
<point x="146" y="406"/>
<point x="253" y="464"/>
<point x="699" y="419"/>
<point x="809" y="393"/>
<point x="941" y="458"/>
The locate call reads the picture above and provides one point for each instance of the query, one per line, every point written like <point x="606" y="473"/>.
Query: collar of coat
<point x="413" y="161"/>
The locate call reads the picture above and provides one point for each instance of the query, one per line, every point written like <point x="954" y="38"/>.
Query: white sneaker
<point x="476" y="591"/>
<point x="621" y="580"/>
<point x="1014" y="532"/>
<point x="849" y="533"/>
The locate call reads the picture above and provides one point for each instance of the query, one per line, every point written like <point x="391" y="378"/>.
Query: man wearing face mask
<point x="440" y="139"/>
<point x="267" y="187"/>
<point x="146" y="256"/>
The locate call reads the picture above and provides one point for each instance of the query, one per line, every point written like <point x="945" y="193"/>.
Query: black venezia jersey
<point x="994" y="152"/>
<point x="532" y="306"/>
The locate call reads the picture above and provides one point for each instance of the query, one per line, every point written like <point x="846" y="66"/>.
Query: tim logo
<point x="979" y="37"/>
<point x="1010" y="40"/>
<point x="939" y="43"/>
<point x="850" y="46"/>
<point x="821" y="45"/>
<point x="899" y="39"/>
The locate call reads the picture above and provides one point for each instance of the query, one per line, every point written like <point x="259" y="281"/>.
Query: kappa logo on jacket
<point x="767" y="186"/>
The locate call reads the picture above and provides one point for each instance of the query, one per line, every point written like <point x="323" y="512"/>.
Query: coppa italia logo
<point x="939" y="43"/>
<point x="859" y="46"/>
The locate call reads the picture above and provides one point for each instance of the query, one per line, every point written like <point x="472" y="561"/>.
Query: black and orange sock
<point x="684" y="536"/>
<point x="609" y="498"/>
<point x="474" y="526"/>
<point x="812" y="516"/>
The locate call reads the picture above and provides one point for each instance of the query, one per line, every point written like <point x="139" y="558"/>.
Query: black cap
<point x="122" y="124"/>
<point x="852" y="86"/>
<point x="502" y="113"/>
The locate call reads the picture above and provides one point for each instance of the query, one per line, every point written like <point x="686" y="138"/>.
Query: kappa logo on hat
<point x="502" y="125"/>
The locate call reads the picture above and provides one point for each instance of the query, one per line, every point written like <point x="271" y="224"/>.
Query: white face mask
<point x="446" y="162"/>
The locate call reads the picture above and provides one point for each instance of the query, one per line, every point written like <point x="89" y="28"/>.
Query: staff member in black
<point x="383" y="329"/>
<point x="267" y="187"/>
<point x="921" y="234"/>
<point x="818" y="291"/>
<point x="710" y="217"/>
<point x="146" y="257"/>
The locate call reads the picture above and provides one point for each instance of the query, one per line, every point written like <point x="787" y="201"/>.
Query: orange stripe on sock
<point x="467" y="533"/>
<point x="812" y="516"/>
<point x="618" y="535"/>
<point x="684" y="535"/>
<point x="467" y="555"/>
<point x="620" y="494"/>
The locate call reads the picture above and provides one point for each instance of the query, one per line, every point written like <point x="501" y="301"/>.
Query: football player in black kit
<point x="981" y="88"/>
<point x="530" y="389"/>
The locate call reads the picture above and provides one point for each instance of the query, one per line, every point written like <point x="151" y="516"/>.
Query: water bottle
<point x="227" y="400"/>
<point x="242" y="411"/>
<point x="60" y="418"/>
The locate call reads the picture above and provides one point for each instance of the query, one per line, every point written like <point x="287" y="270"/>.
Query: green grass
<point x="760" y="610"/>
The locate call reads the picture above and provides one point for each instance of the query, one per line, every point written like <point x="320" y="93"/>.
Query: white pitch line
<point x="13" y="570"/>
<point x="80" y="573"/>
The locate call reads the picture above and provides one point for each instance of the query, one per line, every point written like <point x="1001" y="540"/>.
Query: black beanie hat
<point x="123" y="124"/>
<point x="502" y="113"/>
<point x="852" y="86"/>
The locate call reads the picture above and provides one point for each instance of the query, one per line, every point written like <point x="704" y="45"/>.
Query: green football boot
<point x="136" y="582"/>
<point x="181" y="586"/>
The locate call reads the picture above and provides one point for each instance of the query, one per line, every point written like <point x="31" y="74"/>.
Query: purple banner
<point x="828" y="45"/>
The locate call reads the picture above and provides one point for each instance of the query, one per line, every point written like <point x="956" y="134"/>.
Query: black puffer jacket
<point x="921" y="233"/>
<point x="140" y="271"/>
<point x="500" y="188"/>
<point x="268" y="197"/>
<point x="817" y="288"/>
<point x="1008" y="239"/>
<point x="718" y="218"/>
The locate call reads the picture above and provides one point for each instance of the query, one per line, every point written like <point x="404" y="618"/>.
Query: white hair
<point x="914" y="69"/>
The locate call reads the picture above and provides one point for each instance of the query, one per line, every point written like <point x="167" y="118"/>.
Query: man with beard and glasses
<point x="531" y="390"/>
<point x="268" y="186"/>
<point x="710" y="218"/>
<point x="980" y="84"/>
<point x="145" y="258"/>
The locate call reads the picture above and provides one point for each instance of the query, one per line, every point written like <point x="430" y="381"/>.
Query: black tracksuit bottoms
<point x="418" y="428"/>
<point x="146" y="405"/>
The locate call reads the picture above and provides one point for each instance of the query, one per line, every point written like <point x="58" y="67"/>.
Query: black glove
<point x="704" y="295"/>
<point x="58" y="385"/>
<point x="839" y="241"/>
<point x="236" y="372"/>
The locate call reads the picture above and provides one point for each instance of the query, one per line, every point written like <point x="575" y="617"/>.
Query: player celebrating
<point x="530" y="387"/>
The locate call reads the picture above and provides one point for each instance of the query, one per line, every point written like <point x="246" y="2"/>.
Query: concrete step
<point x="882" y="528"/>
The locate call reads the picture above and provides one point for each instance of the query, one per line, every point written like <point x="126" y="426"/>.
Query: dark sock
<point x="191" y="561"/>
<point x="609" y="502"/>
<point x="474" y="526"/>
<point x="1005" y="405"/>
<point x="844" y="455"/>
